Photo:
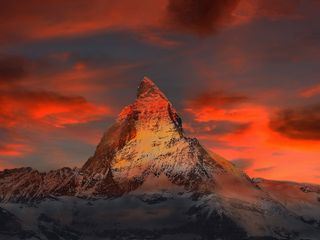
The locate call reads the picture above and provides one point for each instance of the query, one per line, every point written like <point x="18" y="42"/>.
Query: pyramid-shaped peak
<point x="147" y="87"/>
<point x="147" y="81"/>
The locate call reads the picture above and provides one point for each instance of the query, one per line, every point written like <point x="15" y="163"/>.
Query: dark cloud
<point x="218" y="99"/>
<point x="243" y="163"/>
<point x="35" y="19"/>
<point x="13" y="68"/>
<point x="264" y="169"/>
<point x="200" y="16"/>
<point x="298" y="123"/>
<point x="16" y="70"/>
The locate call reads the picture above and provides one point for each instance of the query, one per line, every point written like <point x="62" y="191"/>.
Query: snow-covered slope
<point x="145" y="167"/>
<point x="302" y="199"/>
<point x="158" y="214"/>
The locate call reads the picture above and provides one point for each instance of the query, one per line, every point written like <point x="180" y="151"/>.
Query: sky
<point x="243" y="74"/>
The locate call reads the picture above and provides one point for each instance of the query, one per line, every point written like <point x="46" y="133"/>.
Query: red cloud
<point x="217" y="98"/>
<point x="311" y="91"/>
<point x="249" y="10"/>
<point x="36" y="19"/>
<point x="29" y="105"/>
<point x="40" y="111"/>
<point x="14" y="149"/>
<point x="23" y="107"/>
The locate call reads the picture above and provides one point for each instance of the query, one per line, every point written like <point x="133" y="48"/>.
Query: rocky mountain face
<point x="147" y="180"/>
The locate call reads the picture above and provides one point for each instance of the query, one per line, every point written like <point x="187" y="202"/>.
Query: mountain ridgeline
<point x="144" y="163"/>
<point x="147" y="139"/>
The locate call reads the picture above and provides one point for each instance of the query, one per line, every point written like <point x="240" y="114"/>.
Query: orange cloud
<point x="271" y="154"/>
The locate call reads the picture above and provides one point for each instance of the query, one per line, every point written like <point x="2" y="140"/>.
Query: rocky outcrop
<point x="27" y="184"/>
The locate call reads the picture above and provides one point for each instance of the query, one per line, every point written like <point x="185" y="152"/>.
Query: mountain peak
<point x="148" y="88"/>
<point x="148" y="140"/>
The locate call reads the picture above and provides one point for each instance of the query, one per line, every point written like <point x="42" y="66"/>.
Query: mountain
<point x="148" y="140"/>
<point x="148" y="180"/>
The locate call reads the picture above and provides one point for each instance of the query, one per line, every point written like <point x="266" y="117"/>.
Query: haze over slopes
<point x="243" y="74"/>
